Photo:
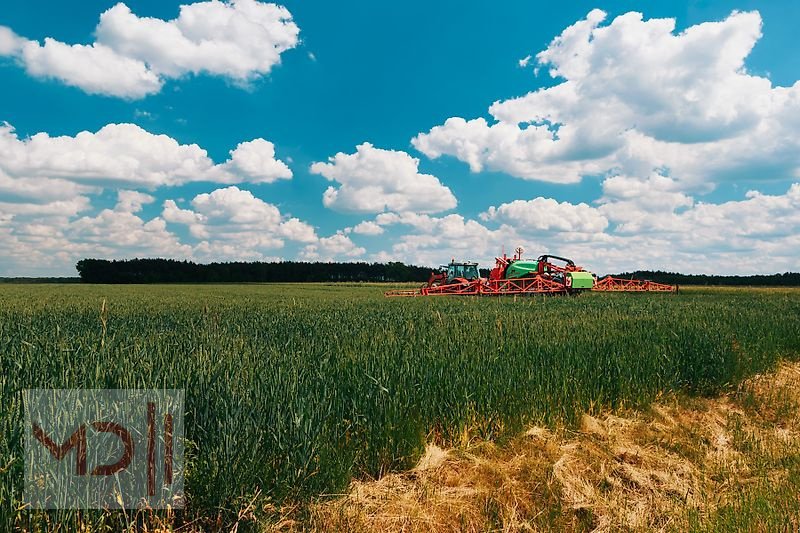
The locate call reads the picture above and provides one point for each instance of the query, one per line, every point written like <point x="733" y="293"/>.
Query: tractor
<point x="454" y="273"/>
<point x="548" y="274"/>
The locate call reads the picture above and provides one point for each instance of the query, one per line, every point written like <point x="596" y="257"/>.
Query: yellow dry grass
<point x="628" y="470"/>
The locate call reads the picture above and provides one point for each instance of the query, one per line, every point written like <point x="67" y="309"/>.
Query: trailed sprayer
<point x="549" y="274"/>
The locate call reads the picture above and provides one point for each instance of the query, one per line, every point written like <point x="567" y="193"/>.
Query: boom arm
<point x="546" y="259"/>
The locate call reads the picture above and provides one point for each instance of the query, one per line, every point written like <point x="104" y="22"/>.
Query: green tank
<point x="521" y="269"/>
<point x="581" y="280"/>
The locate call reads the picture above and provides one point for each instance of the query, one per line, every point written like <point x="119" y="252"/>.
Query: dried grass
<point x="629" y="470"/>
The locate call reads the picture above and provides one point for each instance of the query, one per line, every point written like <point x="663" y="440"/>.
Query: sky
<point x="625" y="135"/>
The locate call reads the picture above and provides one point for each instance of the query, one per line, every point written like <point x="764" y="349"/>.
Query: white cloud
<point x="57" y="208"/>
<point x="634" y="204"/>
<point x="748" y="223"/>
<point x="45" y="182"/>
<point x="37" y="189"/>
<point x="123" y="155"/>
<point x="241" y="40"/>
<point x="225" y="224"/>
<point x="256" y="161"/>
<point x="132" y="201"/>
<point x="546" y="214"/>
<point x="661" y="117"/>
<point x="373" y="180"/>
<point x="194" y="221"/>
<point x="236" y="206"/>
<point x="567" y="53"/>
<point x="296" y="230"/>
<point x="47" y="240"/>
<point x="635" y="98"/>
<point x="215" y="251"/>
<point x="434" y="240"/>
<point x="94" y="68"/>
<point x="337" y="247"/>
<point x="533" y="152"/>
<point x="10" y="43"/>
<point x="657" y="229"/>
<point x="367" y="227"/>
<point x="123" y="234"/>
<point x="758" y="233"/>
<point x="235" y="216"/>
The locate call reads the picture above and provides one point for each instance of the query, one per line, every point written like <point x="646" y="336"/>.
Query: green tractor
<point x="455" y="272"/>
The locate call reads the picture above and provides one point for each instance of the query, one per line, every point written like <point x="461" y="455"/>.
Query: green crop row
<point x="293" y="390"/>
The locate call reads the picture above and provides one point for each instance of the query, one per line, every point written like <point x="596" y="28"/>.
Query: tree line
<point x="175" y="271"/>
<point x="787" y="279"/>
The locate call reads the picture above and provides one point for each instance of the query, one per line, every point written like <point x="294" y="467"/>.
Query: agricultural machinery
<point x="549" y="274"/>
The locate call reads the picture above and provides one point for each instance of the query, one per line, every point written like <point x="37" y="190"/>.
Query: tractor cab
<point x="461" y="271"/>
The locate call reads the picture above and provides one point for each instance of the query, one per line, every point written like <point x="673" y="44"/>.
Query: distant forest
<point x="787" y="279"/>
<point x="174" y="271"/>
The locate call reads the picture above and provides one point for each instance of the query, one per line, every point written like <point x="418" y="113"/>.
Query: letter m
<point x="77" y="440"/>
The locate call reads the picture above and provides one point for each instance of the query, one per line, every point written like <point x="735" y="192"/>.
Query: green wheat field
<point x="294" y="390"/>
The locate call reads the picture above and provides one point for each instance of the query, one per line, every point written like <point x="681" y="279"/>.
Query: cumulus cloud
<point x="132" y="201"/>
<point x="335" y="247"/>
<point x="46" y="239"/>
<point x="636" y="225"/>
<point x="635" y="204"/>
<point x="255" y="160"/>
<point x="46" y="182"/>
<point x="634" y="97"/>
<point x="10" y="43"/>
<point x="547" y="214"/>
<point x="296" y="230"/>
<point x="120" y="233"/>
<point x="373" y="180"/>
<point x="236" y="217"/>
<point x="38" y="190"/>
<point x="94" y="68"/>
<point x="56" y="208"/>
<point x="666" y="229"/>
<point x="738" y="223"/>
<point x="367" y="227"/>
<point x="224" y="224"/>
<point x="660" y="117"/>
<point x="752" y="234"/>
<point x="123" y="155"/>
<point x="532" y="152"/>
<point x="132" y="56"/>
<point x="431" y="240"/>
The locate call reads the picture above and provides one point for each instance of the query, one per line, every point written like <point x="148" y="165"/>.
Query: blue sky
<point x="648" y="162"/>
